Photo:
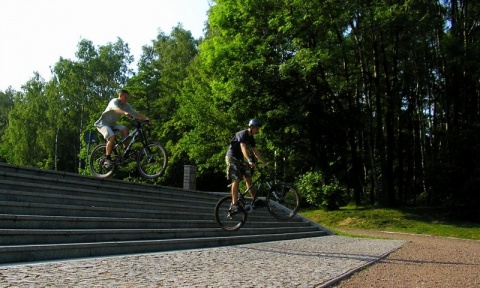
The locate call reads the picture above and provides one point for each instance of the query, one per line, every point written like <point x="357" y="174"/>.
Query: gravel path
<point x="425" y="261"/>
<point x="308" y="262"/>
<point x="396" y="260"/>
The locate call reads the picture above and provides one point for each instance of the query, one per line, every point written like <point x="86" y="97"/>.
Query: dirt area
<point x="425" y="261"/>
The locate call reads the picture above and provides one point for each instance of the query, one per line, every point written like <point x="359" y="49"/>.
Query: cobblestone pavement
<point x="309" y="262"/>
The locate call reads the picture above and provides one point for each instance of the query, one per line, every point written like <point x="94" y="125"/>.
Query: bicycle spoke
<point x="225" y="218"/>
<point x="283" y="201"/>
<point x="97" y="163"/>
<point x="152" y="160"/>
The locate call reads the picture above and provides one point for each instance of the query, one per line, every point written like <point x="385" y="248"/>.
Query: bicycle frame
<point x="282" y="201"/>
<point x="256" y="184"/>
<point x="132" y="136"/>
<point x="151" y="158"/>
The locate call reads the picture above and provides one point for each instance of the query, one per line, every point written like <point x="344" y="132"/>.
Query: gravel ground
<point x="424" y="261"/>
<point x="307" y="262"/>
<point x="395" y="260"/>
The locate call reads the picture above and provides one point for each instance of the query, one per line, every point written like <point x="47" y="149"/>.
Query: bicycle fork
<point x="276" y="194"/>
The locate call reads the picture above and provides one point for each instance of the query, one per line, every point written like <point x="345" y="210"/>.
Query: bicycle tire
<point x="152" y="160"/>
<point x="283" y="201"/>
<point x="225" y="219"/>
<point x="97" y="158"/>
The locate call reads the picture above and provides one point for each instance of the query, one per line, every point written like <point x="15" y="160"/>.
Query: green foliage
<point x="381" y="98"/>
<point x="427" y="221"/>
<point x="157" y="92"/>
<point x="458" y="191"/>
<point x="24" y="139"/>
<point x="317" y="193"/>
<point x="311" y="184"/>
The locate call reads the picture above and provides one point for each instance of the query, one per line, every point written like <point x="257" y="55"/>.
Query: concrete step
<point x="48" y="215"/>
<point x="122" y="190"/>
<point x="8" y="221"/>
<point x="27" y="208"/>
<point x="41" y="252"/>
<point x="43" y="236"/>
<point x="108" y="200"/>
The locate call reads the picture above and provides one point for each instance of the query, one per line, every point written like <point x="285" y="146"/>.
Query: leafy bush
<point x="317" y="193"/>
<point x="310" y="185"/>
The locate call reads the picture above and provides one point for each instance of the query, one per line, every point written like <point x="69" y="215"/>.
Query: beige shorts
<point x="109" y="131"/>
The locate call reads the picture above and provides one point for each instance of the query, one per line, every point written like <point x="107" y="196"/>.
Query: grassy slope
<point x="408" y="220"/>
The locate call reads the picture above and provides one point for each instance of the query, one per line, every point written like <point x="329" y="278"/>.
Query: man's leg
<point x="109" y="136"/>
<point x="248" y="181"/>
<point x="109" y="146"/>
<point x="256" y="202"/>
<point x="124" y="133"/>
<point x="233" y="175"/>
<point x="234" y="190"/>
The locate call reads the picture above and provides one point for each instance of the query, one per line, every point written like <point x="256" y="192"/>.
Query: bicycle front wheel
<point x="227" y="220"/>
<point x="283" y="201"/>
<point x="152" y="160"/>
<point x="97" y="165"/>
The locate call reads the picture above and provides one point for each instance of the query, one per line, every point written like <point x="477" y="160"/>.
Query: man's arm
<point x="259" y="156"/>
<point x="244" y="148"/>
<point x="255" y="151"/>
<point x="118" y="110"/>
<point x="141" y="116"/>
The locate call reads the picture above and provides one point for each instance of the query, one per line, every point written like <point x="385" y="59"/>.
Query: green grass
<point x="408" y="220"/>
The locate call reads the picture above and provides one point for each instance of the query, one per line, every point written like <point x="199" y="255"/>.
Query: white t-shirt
<point x="109" y="117"/>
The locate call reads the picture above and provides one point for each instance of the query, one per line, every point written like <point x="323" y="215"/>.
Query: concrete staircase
<point x="47" y="215"/>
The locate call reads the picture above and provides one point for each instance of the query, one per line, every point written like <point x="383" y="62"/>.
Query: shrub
<point x="317" y="193"/>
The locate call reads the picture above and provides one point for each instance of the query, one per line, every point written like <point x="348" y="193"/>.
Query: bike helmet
<point x="254" y="123"/>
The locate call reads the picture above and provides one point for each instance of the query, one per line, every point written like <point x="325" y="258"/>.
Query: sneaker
<point x="234" y="208"/>
<point x="108" y="163"/>
<point x="259" y="203"/>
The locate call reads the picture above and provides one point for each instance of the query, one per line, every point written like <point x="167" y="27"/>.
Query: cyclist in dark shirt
<point x="237" y="168"/>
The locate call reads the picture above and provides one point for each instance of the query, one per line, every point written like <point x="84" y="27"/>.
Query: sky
<point x="34" y="34"/>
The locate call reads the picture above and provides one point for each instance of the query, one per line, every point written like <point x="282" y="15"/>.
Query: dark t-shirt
<point x="234" y="149"/>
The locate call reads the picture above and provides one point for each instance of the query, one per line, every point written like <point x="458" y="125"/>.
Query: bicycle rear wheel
<point x="283" y="201"/>
<point x="152" y="160"/>
<point x="227" y="220"/>
<point x="97" y="159"/>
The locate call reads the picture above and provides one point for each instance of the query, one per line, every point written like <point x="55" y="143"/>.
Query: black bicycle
<point x="151" y="158"/>
<point x="282" y="201"/>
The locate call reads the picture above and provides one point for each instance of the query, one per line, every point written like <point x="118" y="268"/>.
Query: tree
<point x="24" y="140"/>
<point x="6" y="105"/>
<point x="157" y="87"/>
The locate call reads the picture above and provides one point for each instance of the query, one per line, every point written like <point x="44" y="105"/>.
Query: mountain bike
<point x="282" y="201"/>
<point x="151" y="158"/>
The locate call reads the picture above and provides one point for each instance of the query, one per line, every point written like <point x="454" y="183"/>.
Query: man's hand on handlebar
<point x="133" y="118"/>
<point x="262" y="166"/>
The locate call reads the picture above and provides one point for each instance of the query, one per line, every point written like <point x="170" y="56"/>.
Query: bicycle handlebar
<point x="133" y="118"/>
<point x="138" y="122"/>
<point x="263" y="169"/>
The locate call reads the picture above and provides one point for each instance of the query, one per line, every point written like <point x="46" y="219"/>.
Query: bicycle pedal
<point x="249" y="207"/>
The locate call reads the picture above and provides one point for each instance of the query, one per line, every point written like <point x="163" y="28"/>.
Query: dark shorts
<point x="237" y="169"/>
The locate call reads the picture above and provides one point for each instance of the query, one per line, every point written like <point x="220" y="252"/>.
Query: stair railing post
<point x="189" y="177"/>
